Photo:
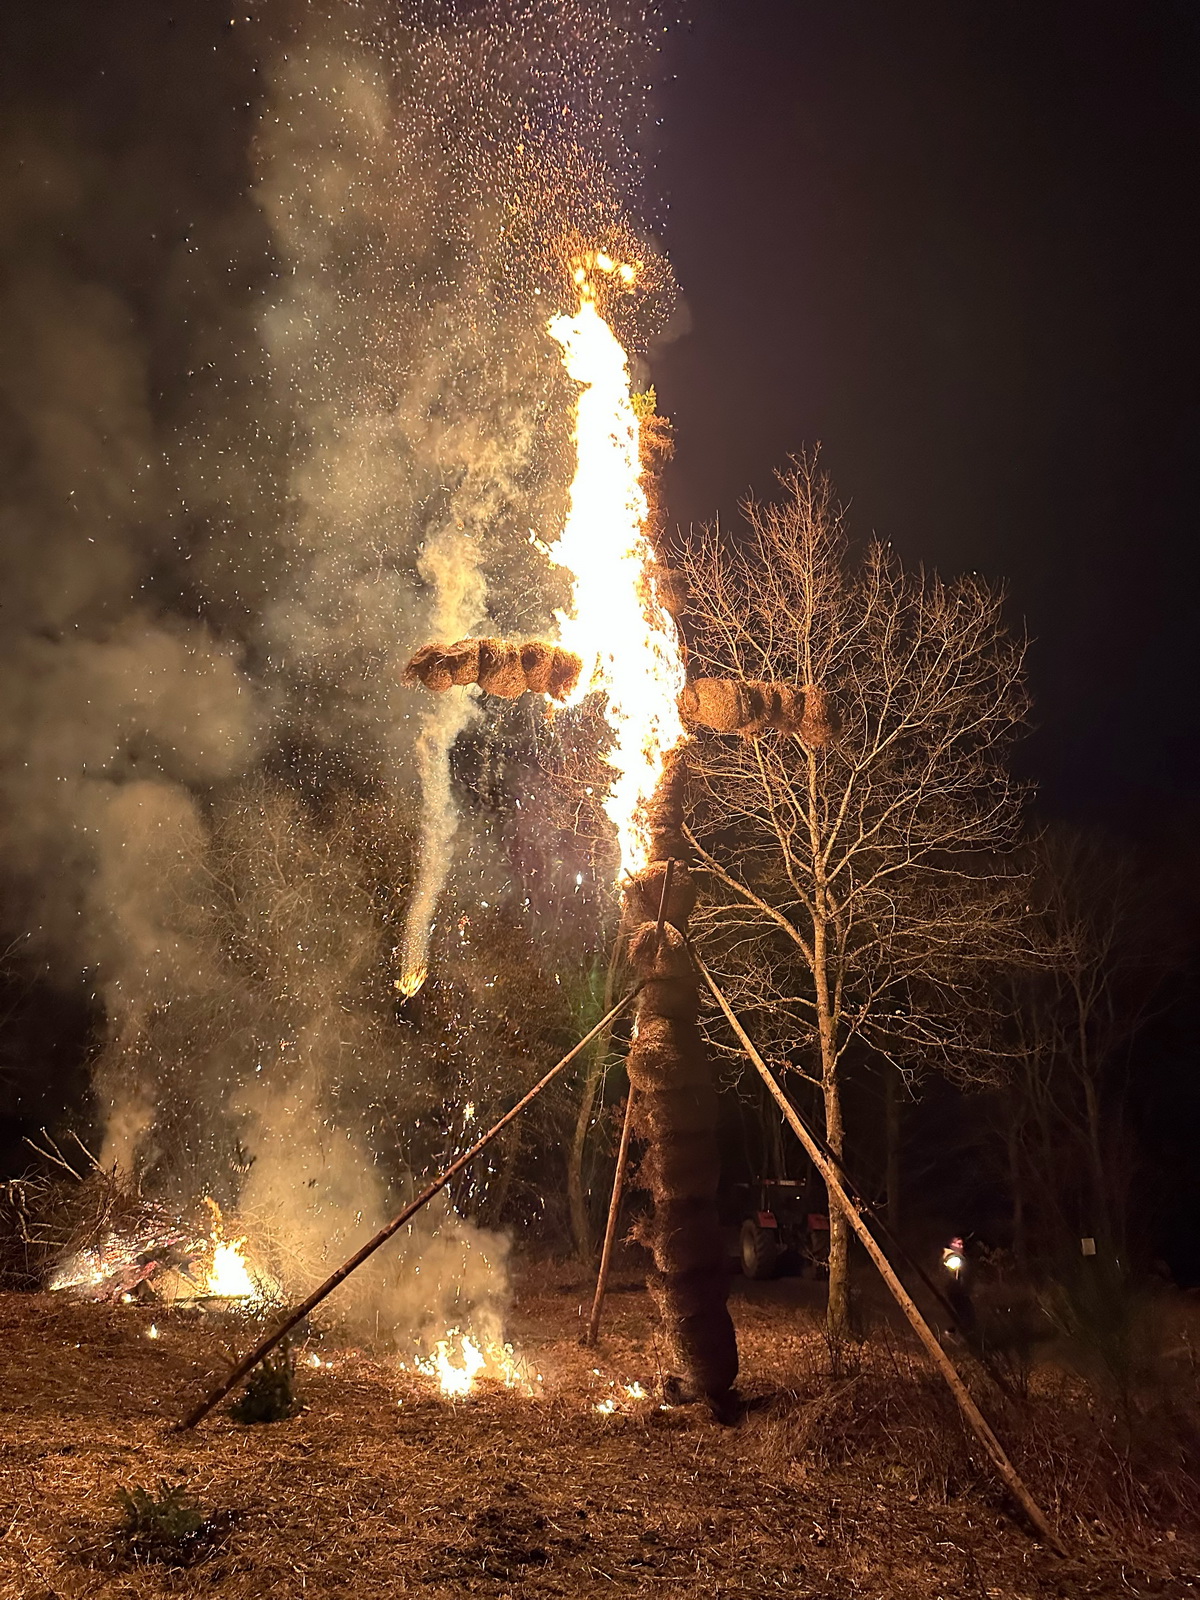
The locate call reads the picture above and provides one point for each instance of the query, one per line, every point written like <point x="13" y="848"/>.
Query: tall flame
<point x="229" y="1276"/>
<point x="628" y="642"/>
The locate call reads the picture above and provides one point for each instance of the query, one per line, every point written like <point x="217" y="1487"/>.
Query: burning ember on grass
<point x="459" y="1362"/>
<point x="621" y="1397"/>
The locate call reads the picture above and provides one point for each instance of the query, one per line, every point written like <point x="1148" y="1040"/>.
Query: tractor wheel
<point x="760" y="1250"/>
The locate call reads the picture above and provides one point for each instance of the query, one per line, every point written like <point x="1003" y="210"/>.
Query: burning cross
<point x="670" y="1074"/>
<point x="618" y="600"/>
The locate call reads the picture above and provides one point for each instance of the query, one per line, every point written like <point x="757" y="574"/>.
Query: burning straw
<point x="266" y="1345"/>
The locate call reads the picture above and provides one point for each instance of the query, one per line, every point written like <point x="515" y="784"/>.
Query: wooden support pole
<point x="267" y="1344"/>
<point x="610" y="1231"/>
<point x="668" y="874"/>
<point x="971" y="1412"/>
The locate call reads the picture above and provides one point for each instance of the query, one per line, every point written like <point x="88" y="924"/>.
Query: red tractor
<point x="784" y="1233"/>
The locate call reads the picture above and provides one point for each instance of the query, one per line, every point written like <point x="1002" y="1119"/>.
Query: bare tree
<point x="862" y="867"/>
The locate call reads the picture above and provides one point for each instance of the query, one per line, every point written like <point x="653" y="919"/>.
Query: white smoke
<point x="458" y="610"/>
<point x="277" y="407"/>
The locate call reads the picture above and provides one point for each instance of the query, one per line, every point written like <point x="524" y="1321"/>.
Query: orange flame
<point x="411" y="982"/>
<point x="459" y="1361"/>
<point x="627" y="640"/>
<point x="229" y="1276"/>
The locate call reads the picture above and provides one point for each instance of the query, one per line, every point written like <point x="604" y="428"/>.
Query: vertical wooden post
<point x="614" y="1204"/>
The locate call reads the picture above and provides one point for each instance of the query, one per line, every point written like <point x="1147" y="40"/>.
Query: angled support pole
<point x="298" y="1313"/>
<point x="971" y="1412"/>
<point x="610" y="1231"/>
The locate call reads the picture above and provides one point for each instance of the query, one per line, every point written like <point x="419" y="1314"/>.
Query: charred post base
<point x="675" y="1097"/>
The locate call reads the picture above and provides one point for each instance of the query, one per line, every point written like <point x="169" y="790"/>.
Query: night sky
<point x="956" y="245"/>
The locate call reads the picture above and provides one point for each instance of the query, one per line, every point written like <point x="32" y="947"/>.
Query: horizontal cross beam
<point x="724" y="705"/>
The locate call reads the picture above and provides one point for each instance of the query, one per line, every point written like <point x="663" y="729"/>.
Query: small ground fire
<point x="168" y="1263"/>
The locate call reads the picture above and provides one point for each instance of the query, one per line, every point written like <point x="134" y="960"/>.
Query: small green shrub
<point x="270" y="1395"/>
<point x="165" y="1525"/>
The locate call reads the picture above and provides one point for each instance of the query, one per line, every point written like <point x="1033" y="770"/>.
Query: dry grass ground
<point x="856" y="1486"/>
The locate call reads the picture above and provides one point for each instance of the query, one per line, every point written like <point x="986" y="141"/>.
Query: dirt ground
<point x="855" y="1485"/>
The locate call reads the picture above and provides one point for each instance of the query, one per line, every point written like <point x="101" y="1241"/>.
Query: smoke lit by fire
<point x="351" y="430"/>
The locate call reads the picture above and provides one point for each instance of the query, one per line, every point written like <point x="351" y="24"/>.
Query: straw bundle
<point x="671" y="999"/>
<point x="818" y="726"/>
<point x="429" y="666"/>
<point x="663" y="815"/>
<point x="665" y="955"/>
<point x="666" y="1053"/>
<point x="537" y="663"/>
<point x="675" y="1098"/>
<point x="669" y="587"/>
<point x="462" y="659"/>
<point x="500" y="671"/>
<point x="564" y="673"/>
<point x="775" y="705"/>
<point x="499" y="667"/>
<point x="643" y="896"/>
<point x="730" y="705"/>
<point x="717" y="703"/>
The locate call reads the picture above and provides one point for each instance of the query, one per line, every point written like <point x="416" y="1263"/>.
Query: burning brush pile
<point x="167" y="1259"/>
<point x="89" y="1237"/>
<point x="82" y="1234"/>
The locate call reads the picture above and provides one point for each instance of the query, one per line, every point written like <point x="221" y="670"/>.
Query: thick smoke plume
<point x="277" y="406"/>
<point x="458" y="610"/>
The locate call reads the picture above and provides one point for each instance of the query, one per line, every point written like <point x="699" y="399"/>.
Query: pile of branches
<point x="32" y="1231"/>
<point x="71" y="1205"/>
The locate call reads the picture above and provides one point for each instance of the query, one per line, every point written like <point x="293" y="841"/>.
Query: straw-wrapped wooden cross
<point x="672" y="1083"/>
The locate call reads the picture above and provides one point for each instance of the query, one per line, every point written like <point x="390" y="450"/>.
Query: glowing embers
<point x="585" y="268"/>
<point x="617" y="624"/>
<point x="88" y="1272"/>
<point x="410" y="983"/>
<point x="460" y="1364"/>
<point x="168" y="1263"/>
<point x="622" y="1397"/>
